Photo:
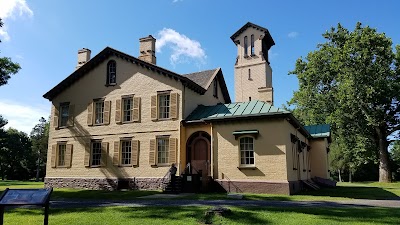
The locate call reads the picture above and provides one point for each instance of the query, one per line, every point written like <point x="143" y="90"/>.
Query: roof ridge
<point x="185" y="74"/>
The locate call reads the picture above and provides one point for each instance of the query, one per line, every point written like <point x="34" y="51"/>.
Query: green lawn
<point x="196" y="215"/>
<point x="344" y="191"/>
<point x="69" y="193"/>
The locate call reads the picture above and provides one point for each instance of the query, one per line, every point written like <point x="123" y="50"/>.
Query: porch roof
<point x="234" y="110"/>
<point x="319" y="131"/>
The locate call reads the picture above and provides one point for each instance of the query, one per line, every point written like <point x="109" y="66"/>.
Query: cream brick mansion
<point x="118" y="120"/>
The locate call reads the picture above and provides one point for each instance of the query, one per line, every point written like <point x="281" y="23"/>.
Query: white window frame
<point x="98" y="152"/>
<point x="99" y="112"/>
<point x="162" y="150"/>
<point x="111" y="72"/>
<point x="64" y="106"/>
<point x="126" y="152"/>
<point x="127" y="112"/>
<point x="242" y="152"/>
<point x="166" y="114"/>
<point x="61" y="152"/>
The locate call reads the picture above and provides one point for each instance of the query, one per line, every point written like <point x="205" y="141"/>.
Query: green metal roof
<point x="319" y="131"/>
<point x="234" y="110"/>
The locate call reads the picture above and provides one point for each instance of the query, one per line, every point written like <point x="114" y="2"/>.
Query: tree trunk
<point x="340" y="176"/>
<point x="385" y="174"/>
<point x="350" y="178"/>
<point x="38" y="169"/>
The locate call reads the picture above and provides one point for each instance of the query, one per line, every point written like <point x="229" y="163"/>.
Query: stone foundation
<point x="285" y="188"/>
<point x="106" y="184"/>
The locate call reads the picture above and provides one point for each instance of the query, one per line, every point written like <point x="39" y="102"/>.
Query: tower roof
<point x="267" y="38"/>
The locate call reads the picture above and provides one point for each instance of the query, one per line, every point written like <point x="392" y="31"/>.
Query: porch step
<point x="174" y="187"/>
<point x="311" y="184"/>
<point x="324" y="182"/>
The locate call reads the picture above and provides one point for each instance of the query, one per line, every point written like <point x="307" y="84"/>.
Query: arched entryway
<point x="198" y="152"/>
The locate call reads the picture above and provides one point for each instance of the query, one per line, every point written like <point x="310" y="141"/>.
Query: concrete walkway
<point x="247" y="203"/>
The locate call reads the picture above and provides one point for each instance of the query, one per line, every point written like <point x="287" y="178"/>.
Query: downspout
<point x="182" y="133"/>
<point x="212" y="153"/>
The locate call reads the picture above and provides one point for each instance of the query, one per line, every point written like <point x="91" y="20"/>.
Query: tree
<point x="395" y="156"/>
<point x="352" y="81"/>
<point x="16" y="158"/>
<point x="7" y="67"/>
<point x="40" y="138"/>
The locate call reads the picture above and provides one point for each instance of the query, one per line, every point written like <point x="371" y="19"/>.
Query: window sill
<point x="125" y="165"/>
<point x="163" y="119"/>
<point x="95" y="166"/>
<point x="160" y="165"/>
<point x="99" y="124"/>
<point x="108" y="85"/>
<point x="246" y="56"/>
<point x="62" y="167"/>
<point x="252" y="55"/>
<point x="247" y="167"/>
<point x="128" y="122"/>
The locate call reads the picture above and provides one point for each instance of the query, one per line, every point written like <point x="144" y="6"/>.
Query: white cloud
<point x="22" y="117"/>
<point x="183" y="48"/>
<point x="175" y="1"/>
<point x="272" y="55"/>
<point x="293" y="34"/>
<point x="11" y="9"/>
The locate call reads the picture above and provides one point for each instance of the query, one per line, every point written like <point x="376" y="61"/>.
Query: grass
<point x="344" y="191"/>
<point x="69" y="193"/>
<point x="196" y="215"/>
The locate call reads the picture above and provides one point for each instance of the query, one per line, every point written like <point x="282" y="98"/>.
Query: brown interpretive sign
<point x="21" y="197"/>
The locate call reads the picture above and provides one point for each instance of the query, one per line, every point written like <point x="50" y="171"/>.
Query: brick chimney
<point x="83" y="57"/>
<point x="147" y="49"/>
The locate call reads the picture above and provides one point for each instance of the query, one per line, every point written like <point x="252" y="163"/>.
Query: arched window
<point x="246" y="147"/>
<point x="215" y="89"/>
<point x="252" y="44"/>
<point x="245" y="46"/>
<point x="111" y="73"/>
<point x="249" y="74"/>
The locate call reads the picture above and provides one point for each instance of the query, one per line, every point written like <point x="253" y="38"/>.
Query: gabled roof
<point x="202" y="78"/>
<point x="319" y="131"/>
<point x="205" y="78"/>
<point x="106" y="53"/>
<point x="267" y="38"/>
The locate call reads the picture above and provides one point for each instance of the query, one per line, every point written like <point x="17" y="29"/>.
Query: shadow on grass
<point x="98" y="194"/>
<point x="353" y="192"/>
<point x="238" y="215"/>
<point x="246" y="215"/>
<point x="197" y="215"/>
<point x="6" y="183"/>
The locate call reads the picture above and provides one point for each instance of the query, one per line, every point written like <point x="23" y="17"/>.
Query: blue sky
<point x="44" y="37"/>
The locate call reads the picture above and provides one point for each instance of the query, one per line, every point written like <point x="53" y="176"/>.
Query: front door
<point x="199" y="152"/>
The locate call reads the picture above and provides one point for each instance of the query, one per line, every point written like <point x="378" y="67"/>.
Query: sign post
<point x="20" y="197"/>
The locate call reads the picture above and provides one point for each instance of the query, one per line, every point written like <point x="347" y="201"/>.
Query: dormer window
<point x="111" y="73"/>
<point x="245" y="46"/>
<point x="252" y="44"/>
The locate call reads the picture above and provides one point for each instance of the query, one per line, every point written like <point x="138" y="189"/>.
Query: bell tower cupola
<point x="253" y="73"/>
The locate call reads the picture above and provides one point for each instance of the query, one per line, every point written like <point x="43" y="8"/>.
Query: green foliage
<point x="16" y="158"/>
<point x="21" y="156"/>
<point x="395" y="156"/>
<point x="40" y="137"/>
<point x="352" y="82"/>
<point x="7" y="67"/>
